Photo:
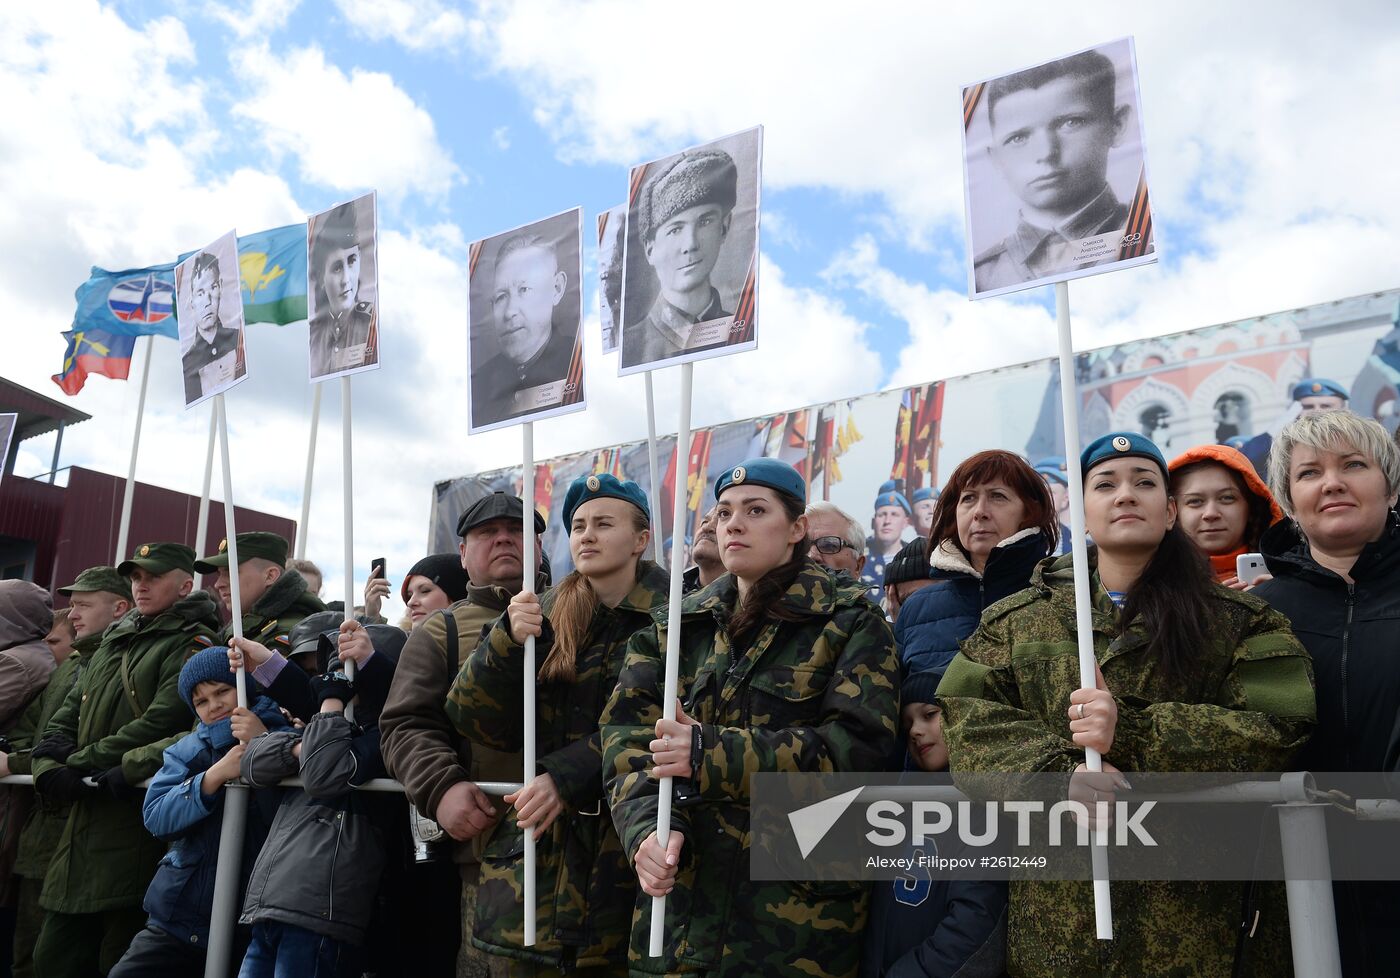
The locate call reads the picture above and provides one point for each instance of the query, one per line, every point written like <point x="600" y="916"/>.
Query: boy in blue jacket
<point x="184" y="806"/>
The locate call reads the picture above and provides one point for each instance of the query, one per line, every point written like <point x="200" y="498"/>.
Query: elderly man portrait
<point x="212" y="339"/>
<point x="342" y="326"/>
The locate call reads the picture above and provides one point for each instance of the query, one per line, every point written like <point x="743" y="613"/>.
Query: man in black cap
<point x="274" y="599"/>
<point x="126" y="698"/>
<point x="213" y="341"/>
<point x="342" y="329"/>
<point x="421" y="748"/>
<point x="684" y="211"/>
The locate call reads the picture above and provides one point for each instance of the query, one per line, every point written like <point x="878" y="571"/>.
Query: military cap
<point x="910" y="564"/>
<point x="1055" y="467"/>
<point x="255" y="543"/>
<point x="496" y="506"/>
<point x="334" y="231"/>
<point x="158" y="558"/>
<point x="768" y="472"/>
<point x="893" y="498"/>
<point x="889" y="485"/>
<point x="926" y="492"/>
<point x="587" y="487"/>
<point x="1121" y="444"/>
<point x="99" y="579"/>
<point x="1319" y="387"/>
<point x="444" y="570"/>
<point x="708" y="177"/>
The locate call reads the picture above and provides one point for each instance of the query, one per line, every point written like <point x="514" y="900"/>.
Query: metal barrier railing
<point x="1303" y="837"/>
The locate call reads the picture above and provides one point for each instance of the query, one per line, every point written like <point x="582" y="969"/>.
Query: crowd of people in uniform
<point x="785" y="665"/>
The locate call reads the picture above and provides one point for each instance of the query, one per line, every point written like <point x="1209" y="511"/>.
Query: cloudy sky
<point x="137" y="129"/>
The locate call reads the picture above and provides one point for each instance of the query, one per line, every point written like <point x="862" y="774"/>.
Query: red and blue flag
<point x="94" y="351"/>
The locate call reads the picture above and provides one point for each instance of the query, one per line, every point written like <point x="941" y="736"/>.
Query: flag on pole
<point x="902" y="469"/>
<point x="823" y="441"/>
<point x="924" y="448"/>
<point x="544" y="488"/>
<point x="272" y="267"/>
<point x="132" y="302"/>
<point x="97" y="352"/>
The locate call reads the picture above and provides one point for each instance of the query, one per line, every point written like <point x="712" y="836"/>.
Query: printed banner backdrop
<point x="525" y="316"/>
<point x="1217" y="384"/>
<point x="612" y="236"/>
<point x="690" y="288"/>
<point x="342" y="290"/>
<point x="210" y="303"/>
<point x="1055" y="172"/>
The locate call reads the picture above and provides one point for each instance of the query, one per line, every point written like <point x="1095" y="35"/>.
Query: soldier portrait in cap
<point x="612" y="228"/>
<point x="1055" y="172"/>
<point x="690" y="261"/>
<point x="342" y="289"/>
<point x="209" y="316"/>
<point x="525" y="309"/>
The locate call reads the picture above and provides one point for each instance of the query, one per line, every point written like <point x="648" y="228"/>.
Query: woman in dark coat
<point x="1336" y="576"/>
<point x="993" y="523"/>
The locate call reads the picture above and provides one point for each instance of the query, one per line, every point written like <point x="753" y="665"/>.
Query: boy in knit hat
<point x="184" y="806"/>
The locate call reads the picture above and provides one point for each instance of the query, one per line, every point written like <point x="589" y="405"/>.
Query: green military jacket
<point x="127" y="697"/>
<point x="39" y="837"/>
<point x="585" y="888"/>
<point x="816" y="690"/>
<point x="1247" y="706"/>
<point x="286" y="602"/>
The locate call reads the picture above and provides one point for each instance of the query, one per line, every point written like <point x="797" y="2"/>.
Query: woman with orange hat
<point x="1224" y="506"/>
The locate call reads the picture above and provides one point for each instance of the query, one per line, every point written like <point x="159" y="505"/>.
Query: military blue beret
<point x="889" y="485"/>
<point x="1121" y="444"/>
<point x="1319" y="387"/>
<point x="893" y="499"/>
<point x="770" y="472"/>
<point x="587" y="487"/>
<point x="1055" y="468"/>
<point x="1236" y="442"/>
<point x="926" y="492"/>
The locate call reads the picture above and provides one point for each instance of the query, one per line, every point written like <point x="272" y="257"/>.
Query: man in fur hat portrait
<point x="684" y="211"/>
<point x="342" y="330"/>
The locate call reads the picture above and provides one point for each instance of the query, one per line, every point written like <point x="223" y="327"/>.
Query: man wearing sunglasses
<point x="838" y="541"/>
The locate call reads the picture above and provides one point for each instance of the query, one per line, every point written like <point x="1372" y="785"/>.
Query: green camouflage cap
<point x="268" y="546"/>
<point x="99" y="579"/>
<point x="158" y="558"/>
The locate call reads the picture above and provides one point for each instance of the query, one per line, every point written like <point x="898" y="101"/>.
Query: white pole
<point x="1083" y="616"/>
<point x="235" y="600"/>
<point x="348" y="488"/>
<point x="201" y="530"/>
<point x="673" y="639"/>
<point x="310" y="468"/>
<point x="658" y="533"/>
<point x="527" y="469"/>
<point x="124" y="526"/>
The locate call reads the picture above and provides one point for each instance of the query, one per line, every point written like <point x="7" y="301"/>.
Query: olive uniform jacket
<point x="816" y="690"/>
<point x="1247" y="705"/>
<point x="585" y="887"/>
<point x="127" y="697"/>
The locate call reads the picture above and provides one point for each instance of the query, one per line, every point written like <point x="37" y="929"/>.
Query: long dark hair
<point x="1172" y="597"/>
<point x="763" y="599"/>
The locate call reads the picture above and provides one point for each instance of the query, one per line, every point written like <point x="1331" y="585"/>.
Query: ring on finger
<point x="1081" y="711"/>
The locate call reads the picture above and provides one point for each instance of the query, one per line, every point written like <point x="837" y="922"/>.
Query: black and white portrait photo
<point x="612" y="226"/>
<point x="209" y="314"/>
<point x="525" y="309"/>
<point x="342" y="272"/>
<point x="1056" y="174"/>
<point x="690" y="286"/>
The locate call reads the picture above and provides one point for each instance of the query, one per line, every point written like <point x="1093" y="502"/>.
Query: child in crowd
<point x="922" y="926"/>
<point x="184" y="805"/>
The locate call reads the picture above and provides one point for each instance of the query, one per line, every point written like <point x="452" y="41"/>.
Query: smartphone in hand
<point x="1250" y="567"/>
<point x="377" y="566"/>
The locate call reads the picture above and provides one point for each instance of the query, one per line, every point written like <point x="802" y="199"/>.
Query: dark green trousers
<point x="80" y="945"/>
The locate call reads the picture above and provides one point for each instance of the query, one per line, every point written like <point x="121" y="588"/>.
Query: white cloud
<point x="416" y="24"/>
<point x="347" y="132"/>
<point x="500" y="137"/>
<point x="256" y="18"/>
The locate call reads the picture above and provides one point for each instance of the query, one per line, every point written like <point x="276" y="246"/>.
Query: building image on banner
<point x="342" y="292"/>
<point x="1056" y="172"/>
<point x="209" y="316"/>
<point x="690" y="284"/>
<point x="525" y="315"/>
<point x="612" y="237"/>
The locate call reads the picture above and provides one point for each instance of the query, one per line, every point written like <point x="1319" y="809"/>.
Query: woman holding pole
<point x="581" y="627"/>
<point x="1193" y="676"/>
<point x="785" y="666"/>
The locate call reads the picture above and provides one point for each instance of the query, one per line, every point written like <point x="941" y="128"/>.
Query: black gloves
<point x="116" y="784"/>
<point x="55" y="746"/>
<point x="62" y="785"/>
<point x="333" y="685"/>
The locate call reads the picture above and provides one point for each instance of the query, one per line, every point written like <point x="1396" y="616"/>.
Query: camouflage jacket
<point x="586" y="889"/>
<point x="816" y="693"/>
<point x="1247" y="706"/>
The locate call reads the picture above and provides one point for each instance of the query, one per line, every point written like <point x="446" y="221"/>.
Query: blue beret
<point x="1054" y="467"/>
<point x="587" y="487"/>
<point x="889" y="485"/>
<point x="926" y="492"/>
<point x="1121" y="444"/>
<point x="776" y="475"/>
<point x="1319" y="387"/>
<point x="893" y="499"/>
<point x="1236" y="442"/>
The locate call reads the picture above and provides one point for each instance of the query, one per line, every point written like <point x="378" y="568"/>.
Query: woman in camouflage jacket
<point x="1193" y="677"/>
<point x="585" y="889"/>
<point x="785" y="666"/>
